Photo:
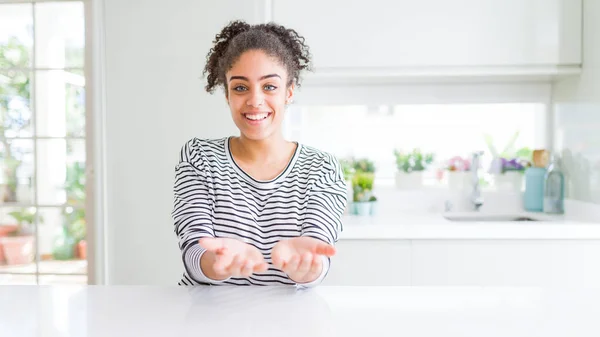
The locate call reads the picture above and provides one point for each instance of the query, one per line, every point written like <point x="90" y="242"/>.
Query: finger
<point x="247" y="269"/>
<point x="211" y="244"/>
<point x="261" y="267"/>
<point x="323" y="248"/>
<point x="305" y="263"/>
<point x="236" y="265"/>
<point x="316" y="266"/>
<point x="280" y="256"/>
<point x="292" y="266"/>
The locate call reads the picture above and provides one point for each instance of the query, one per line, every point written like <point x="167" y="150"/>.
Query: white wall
<point x="577" y="114"/>
<point x="155" y="53"/>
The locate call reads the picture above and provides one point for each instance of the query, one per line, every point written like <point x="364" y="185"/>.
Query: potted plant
<point x="511" y="175"/>
<point x="18" y="245"/>
<point x="410" y="167"/>
<point x="457" y="172"/>
<point x="363" y="198"/>
<point x="507" y="167"/>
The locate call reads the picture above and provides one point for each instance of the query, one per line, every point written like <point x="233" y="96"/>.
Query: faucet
<point x="475" y="198"/>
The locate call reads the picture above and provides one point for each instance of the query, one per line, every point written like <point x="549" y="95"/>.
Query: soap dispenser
<point x="554" y="187"/>
<point x="533" y="198"/>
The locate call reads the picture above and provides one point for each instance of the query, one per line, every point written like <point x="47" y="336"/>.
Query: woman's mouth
<point x="255" y="118"/>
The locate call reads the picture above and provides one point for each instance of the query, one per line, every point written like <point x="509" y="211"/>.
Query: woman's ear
<point x="289" y="95"/>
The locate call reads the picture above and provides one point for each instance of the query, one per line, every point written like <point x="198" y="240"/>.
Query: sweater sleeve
<point x="192" y="209"/>
<point x="326" y="203"/>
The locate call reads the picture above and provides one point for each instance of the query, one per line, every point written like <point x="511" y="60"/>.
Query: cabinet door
<point x="388" y="34"/>
<point x="370" y="262"/>
<point x="506" y="262"/>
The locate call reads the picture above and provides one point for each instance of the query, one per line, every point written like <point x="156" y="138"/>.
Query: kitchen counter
<point x="436" y="226"/>
<point x="284" y="311"/>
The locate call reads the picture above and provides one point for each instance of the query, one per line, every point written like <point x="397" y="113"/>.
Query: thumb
<point x="323" y="248"/>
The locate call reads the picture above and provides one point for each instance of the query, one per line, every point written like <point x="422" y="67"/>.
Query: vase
<point x="409" y="181"/>
<point x="457" y="180"/>
<point x="509" y="181"/>
<point x="362" y="208"/>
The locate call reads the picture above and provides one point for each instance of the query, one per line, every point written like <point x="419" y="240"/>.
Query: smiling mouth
<point x="257" y="116"/>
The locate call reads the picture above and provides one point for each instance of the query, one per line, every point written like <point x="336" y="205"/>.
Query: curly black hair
<point x="275" y="40"/>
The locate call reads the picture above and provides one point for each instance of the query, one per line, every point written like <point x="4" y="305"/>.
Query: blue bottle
<point x="533" y="198"/>
<point x="554" y="188"/>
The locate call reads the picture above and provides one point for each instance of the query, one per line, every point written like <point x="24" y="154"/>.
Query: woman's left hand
<point x="300" y="258"/>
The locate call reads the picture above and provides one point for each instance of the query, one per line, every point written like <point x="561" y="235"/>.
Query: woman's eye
<point x="239" y="88"/>
<point x="269" y="87"/>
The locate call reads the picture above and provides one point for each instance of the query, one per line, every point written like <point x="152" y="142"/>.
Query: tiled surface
<point x="577" y="116"/>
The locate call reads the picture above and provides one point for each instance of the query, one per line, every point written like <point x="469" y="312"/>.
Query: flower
<point x="514" y="164"/>
<point x="458" y="164"/>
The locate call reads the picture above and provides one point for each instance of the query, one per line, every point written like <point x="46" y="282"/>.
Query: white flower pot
<point x="458" y="180"/>
<point x="409" y="181"/>
<point x="509" y="181"/>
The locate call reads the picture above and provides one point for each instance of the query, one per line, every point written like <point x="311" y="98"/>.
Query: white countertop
<point x="283" y="311"/>
<point x="435" y="226"/>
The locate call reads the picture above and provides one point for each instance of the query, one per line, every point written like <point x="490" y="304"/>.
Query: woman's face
<point x="257" y="94"/>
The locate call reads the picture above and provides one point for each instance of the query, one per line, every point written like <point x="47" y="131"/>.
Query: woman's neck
<point x="266" y="150"/>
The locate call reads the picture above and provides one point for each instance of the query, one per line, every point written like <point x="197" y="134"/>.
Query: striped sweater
<point x="214" y="197"/>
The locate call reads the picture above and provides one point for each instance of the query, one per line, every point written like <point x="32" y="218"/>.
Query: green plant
<point x="413" y="161"/>
<point x="364" y="165"/>
<point x="14" y="110"/>
<point x="25" y="217"/>
<point x="362" y="186"/>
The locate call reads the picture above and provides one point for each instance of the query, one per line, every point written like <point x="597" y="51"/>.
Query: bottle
<point x="533" y="197"/>
<point x="554" y="188"/>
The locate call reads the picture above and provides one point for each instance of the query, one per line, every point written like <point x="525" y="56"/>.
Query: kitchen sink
<point x="487" y="217"/>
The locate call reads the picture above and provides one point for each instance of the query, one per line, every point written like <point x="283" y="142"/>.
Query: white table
<point x="142" y="311"/>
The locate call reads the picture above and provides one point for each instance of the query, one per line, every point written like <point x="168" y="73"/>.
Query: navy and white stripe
<point x="215" y="198"/>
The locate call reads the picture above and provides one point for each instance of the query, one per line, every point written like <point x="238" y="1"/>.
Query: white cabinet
<point x="506" y="262"/>
<point x="370" y="262"/>
<point x="357" y="35"/>
<point x="572" y="263"/>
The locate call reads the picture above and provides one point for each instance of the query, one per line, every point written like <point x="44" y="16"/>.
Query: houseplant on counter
<point x="507" y="167"/>
<point x="410" y="167"/>
<point x="457" y="172"/>
<point x="363" y="199"/>
<point x="19" y="245"/>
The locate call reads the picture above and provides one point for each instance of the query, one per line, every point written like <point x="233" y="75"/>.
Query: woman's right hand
<point x="225" y="257"/>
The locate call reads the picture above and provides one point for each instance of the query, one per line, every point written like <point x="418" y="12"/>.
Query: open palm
<point x="301" y="258"/>
<point x="234" y="258"/>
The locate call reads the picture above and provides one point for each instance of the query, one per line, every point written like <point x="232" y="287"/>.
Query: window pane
<point x="15" y="104"/>
<point x="16" y="178"/>
<point x="62" y="240"/>
<point x="63" y="279"/>
<point x="446" y="130"/>
<point x="16" y="35"/>
<point x="61" y="171"/>
<point x="17" y="239"/>
<point x="59" y="35"/>
<point x="10" y="279"/>
<point x="60" y="103"/>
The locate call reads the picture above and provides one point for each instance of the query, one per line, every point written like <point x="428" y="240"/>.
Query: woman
<point x="256" y="209"/>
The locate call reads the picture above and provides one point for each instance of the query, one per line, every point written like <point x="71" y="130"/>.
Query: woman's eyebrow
<point x="246" y="78"/>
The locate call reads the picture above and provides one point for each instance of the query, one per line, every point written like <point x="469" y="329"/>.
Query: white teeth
<point x="256" y="117"/>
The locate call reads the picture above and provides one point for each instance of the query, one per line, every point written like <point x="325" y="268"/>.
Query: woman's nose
<point x="256" y="99"/>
